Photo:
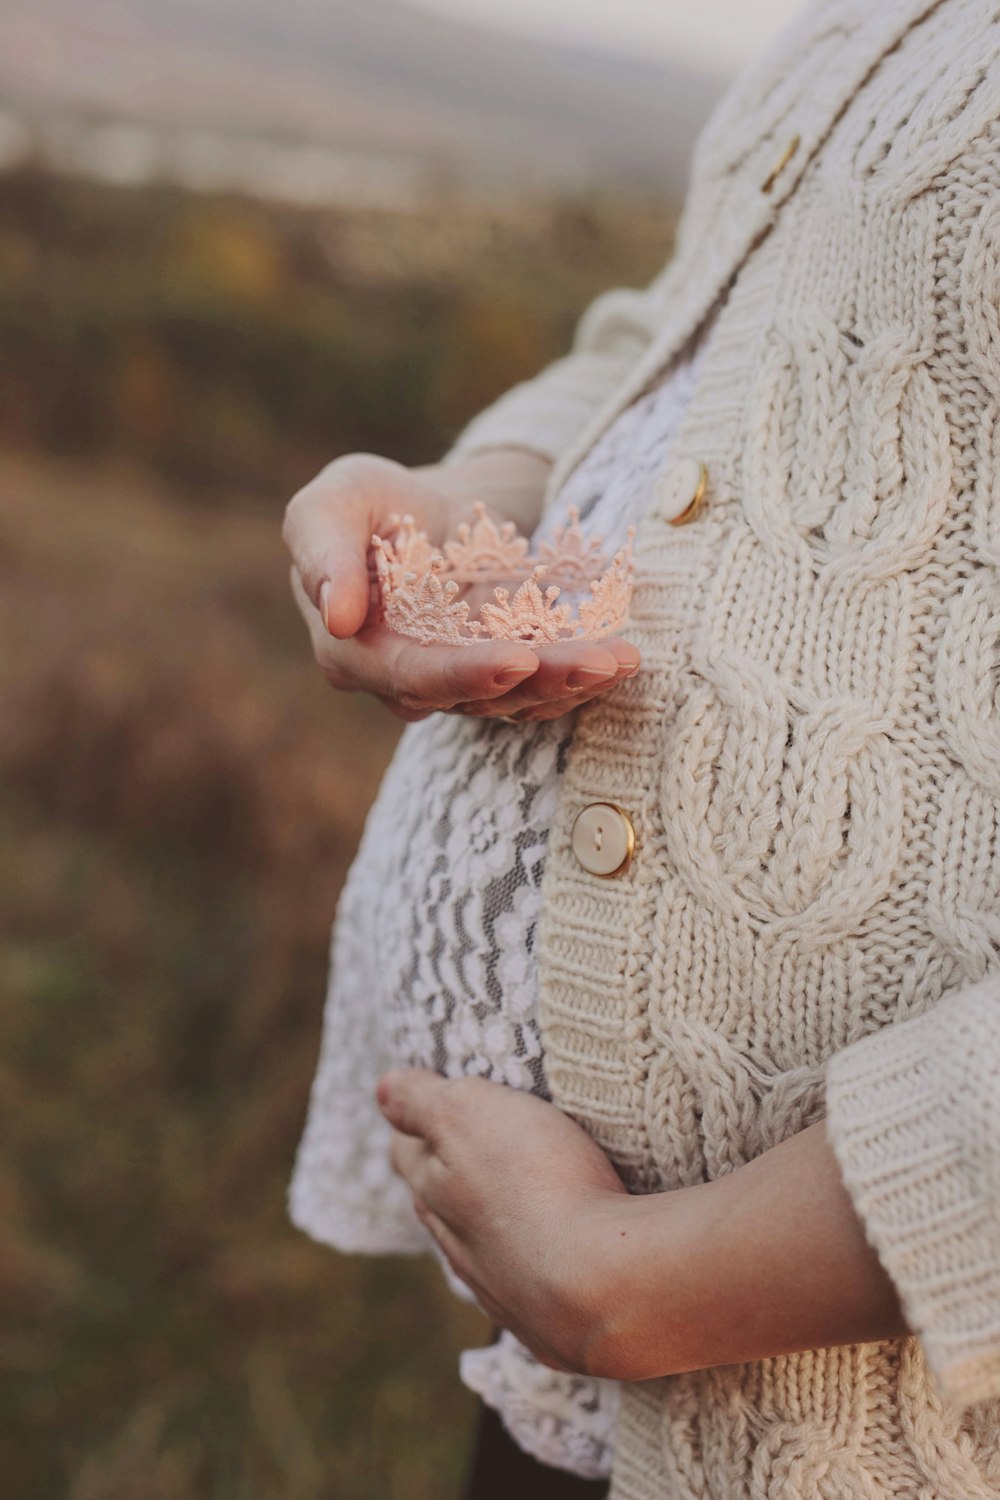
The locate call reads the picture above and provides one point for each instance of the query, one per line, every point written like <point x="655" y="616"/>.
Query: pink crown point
<point x="606" y="611"/>
<point x="486" y="550"/>
<point x="570" y="556"/>
<point x="409" y="551"/>
<point x="531" y="616"/>
<point x="427" y="610"/>
<point x="419" y="587"/>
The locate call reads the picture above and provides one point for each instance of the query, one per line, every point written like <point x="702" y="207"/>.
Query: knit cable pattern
<point x="810" y="756"/>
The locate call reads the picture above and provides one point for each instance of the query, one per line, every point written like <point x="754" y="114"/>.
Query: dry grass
<point x="181" y="800"/>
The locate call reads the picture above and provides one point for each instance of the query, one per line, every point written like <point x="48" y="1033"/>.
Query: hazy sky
<point x="715" y="34"/>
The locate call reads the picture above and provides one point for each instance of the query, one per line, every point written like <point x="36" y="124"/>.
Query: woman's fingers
<point x="569" y="674"/>
<point x="306" y="608"/>
<point x="328" y="529"/>
<point x="410" y="1158"/>
<point x="420" y="677"/>
<point x="417" y="678"/>
<point x="415" y="1101"/>
<point x="443" y="1234"/>
<point x="329" y="537"/>
<point x="488" y="680"/>
<point x="441" y="676"/>
<point x="408" y="715"/>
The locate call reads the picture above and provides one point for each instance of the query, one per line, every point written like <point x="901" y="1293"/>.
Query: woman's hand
<point x="328" y="530"/>
<point x="767" y="1260"/>
<point x="522" y="1202"/>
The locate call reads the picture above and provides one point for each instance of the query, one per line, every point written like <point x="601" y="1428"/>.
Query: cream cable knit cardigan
<point x="811" y="753"/>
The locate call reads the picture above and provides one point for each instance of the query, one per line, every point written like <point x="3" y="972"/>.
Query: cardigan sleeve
<point x="913" y="1115"/>
<point x="548" y="412"/>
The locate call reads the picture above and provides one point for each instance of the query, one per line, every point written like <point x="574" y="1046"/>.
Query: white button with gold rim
<point x="680" y="491"/>
<point x="604" y="839"/>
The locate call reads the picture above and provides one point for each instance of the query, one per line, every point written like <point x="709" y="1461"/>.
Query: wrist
<point x="766" y="1260"/>
<point x="511" y="482"/>
<point x="644" y="1323"/>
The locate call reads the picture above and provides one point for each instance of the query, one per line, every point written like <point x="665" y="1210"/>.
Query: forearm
<point x="768" y="1260"/>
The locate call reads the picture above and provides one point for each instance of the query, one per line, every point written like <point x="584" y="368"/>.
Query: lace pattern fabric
<point x="567" y="1421"/>
<point x="433" y="960"/>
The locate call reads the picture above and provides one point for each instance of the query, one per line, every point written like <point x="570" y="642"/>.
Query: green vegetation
<point x="181" y="798"/>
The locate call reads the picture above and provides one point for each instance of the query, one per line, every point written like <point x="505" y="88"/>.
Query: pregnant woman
<point x="665" y="998"/>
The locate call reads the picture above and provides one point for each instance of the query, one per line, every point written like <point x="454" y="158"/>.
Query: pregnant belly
<point x="447" y="889"/>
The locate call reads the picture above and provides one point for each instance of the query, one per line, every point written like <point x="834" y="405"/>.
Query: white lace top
<point x="433" y="956"/>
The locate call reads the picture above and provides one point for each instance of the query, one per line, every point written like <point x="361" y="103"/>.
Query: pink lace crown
<point x="420" y="587"/>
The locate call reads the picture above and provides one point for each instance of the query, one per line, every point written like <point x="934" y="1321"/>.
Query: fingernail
<point x="585" y="677"/>
<point x="384" y="1087"/>
<point x="511" y="676"/>
<point x="629" y="670"/>
<point x="324" y="600"/>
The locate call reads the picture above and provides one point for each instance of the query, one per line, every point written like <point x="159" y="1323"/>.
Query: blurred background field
<point x="226" y="257"/>
<point x="232" y="346"/>
<point x="181" y="797"/>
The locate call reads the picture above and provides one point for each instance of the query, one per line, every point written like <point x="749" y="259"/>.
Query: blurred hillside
<point x="181" y="796"/>
<point x="345" y="96"/>
<point x="229" y="344"/>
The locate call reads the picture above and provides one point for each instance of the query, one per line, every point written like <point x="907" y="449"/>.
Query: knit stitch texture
<point x="811" y="751"/>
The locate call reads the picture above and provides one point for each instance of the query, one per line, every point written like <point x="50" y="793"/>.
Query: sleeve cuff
<point x="913" y="1115"/>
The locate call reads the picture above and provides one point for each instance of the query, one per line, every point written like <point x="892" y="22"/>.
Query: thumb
<point x="330" y="551"/>
<point x="327" y="529"/>
<point x="410" y="1099"/>
<point x="344" y="596"/>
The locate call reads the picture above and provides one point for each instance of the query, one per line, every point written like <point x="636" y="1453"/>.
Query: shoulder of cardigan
<point x="799" y="89"/>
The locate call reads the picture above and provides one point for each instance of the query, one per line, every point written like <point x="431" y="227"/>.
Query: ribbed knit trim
<point x="905" y="1106"/>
